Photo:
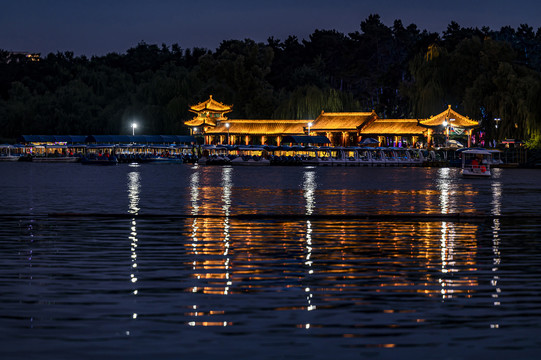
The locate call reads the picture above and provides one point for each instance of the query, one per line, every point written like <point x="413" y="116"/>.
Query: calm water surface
<point x="160" y="262"/>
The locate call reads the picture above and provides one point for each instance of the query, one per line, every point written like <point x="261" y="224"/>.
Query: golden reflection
<point x="309" y="189"/>
<point x="448" y="263"/>
<point x="496" y="264"/>
<point x="443" y="186"/>
<point x="211" y="263"/>
<point x="496" y="210"/>
<point x="134" y="189"/>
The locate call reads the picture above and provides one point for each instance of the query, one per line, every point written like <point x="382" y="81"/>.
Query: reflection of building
<point x="343" y="129"/>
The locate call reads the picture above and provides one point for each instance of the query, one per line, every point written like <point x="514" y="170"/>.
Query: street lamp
<point x="133" y="126"/>
<point x="497" y="120"/>
<point x="227" y="126"/>
<point x="309" y="126"/>
<point x="445" y="123"/>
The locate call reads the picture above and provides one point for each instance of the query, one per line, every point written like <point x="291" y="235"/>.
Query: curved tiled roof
<point x="260" y="127"/>
<point x="342" y="121"/>
<point x="454" y="119"/>
<point x="393" y="126"/>
<point x="211" y="105"/>
<point x="200" y="121"/>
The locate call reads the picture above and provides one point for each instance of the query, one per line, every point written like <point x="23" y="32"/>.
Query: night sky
<point x="98" y="27"/>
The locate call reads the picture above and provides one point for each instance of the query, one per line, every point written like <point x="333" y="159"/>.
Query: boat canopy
<point x="107" y="139"/>
<point x="140" y="139"/>
<point x="477" y="152"/>
<point x="69" y="139"/>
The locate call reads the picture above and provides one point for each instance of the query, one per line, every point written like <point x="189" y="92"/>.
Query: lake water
<point x="185" y="262"/>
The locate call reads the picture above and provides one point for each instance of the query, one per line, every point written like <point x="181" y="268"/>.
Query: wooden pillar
<point x="468" y="132"/>
<point x="329" y="136"/>
<point x="263" y="139"/>
<point x="247" y="140"/>
<point x="429" y="138"/>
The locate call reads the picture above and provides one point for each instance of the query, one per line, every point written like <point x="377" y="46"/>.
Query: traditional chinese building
<point x="207" y="115"/>
<point x="342" y="129"/>
<point x="449" y="122"/>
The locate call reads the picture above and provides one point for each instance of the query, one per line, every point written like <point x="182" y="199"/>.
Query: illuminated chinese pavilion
<point x="341" y="128"/>
<point x="449" y="122"/>
<point x="208" y="114"/>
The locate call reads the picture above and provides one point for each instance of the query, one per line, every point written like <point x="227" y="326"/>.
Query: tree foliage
<point x="398" y="71"/>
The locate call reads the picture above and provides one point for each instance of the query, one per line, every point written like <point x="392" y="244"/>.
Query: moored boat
<point x="476" y="163"/>
<point x="6" y="153"/>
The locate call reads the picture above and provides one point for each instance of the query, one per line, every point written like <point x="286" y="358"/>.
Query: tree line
<point x="398" y="71"/>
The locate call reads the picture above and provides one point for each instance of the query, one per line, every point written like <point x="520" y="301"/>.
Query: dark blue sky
<point x="97" y="27"/>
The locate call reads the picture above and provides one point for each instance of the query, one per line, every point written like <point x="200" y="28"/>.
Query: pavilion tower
<point x="209" y="113"/>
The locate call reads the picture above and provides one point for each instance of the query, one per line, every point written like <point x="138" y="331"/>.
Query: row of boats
<point x="243" y="155"/>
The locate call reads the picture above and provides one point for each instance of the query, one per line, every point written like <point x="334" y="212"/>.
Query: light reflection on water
<point x="201" y="286"/>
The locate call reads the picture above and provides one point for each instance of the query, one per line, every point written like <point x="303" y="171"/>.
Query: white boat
<point x="389" y="156"/>
<point x="476" y="163"/>
<point x="416" y="157"/>
<point x="496" y="158"/>
<point x="403" y="155"/>
<point x="6" y="153"/>
<point x="338" y="156"/>
<point x="377" y="157"/>
<point x="251" y="156"/>
<point x="325" y="157"/>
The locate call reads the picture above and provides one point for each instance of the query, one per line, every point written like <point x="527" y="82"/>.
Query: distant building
<point x="341" y="128"/>
<point x="21" y="56"/>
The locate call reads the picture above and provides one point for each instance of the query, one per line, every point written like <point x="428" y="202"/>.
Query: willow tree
<point x="307" y="103"/>
<point x="426" y="91"/>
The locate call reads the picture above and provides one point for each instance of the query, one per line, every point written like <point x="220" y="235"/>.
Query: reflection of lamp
<point x="309" y="126"/>
<point x="227" y="126"/>
<point x="133" y="126"/>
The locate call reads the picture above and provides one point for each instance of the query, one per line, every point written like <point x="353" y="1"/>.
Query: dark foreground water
<point x="182" y="262"/>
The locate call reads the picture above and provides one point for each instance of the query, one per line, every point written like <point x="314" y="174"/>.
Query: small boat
<point x="251" y="156"/>
<point x="6" y="153"/>
<point x="476" y="163"/>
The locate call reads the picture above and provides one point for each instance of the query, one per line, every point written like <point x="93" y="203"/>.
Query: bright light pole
<point x="133" y="126"/>
<point x="496" y="121"/>
<point x="445" y="123"/>
<point x="227" y="126"/>
<point x="309" y="126"/>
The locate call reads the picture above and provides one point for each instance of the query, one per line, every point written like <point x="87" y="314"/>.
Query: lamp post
<point x="445" y="123"/>
<point x="227" y="126"/>
<point x="496" y="122"/>
<point x="309" y="126"/>
<point x="133" y="126"/>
